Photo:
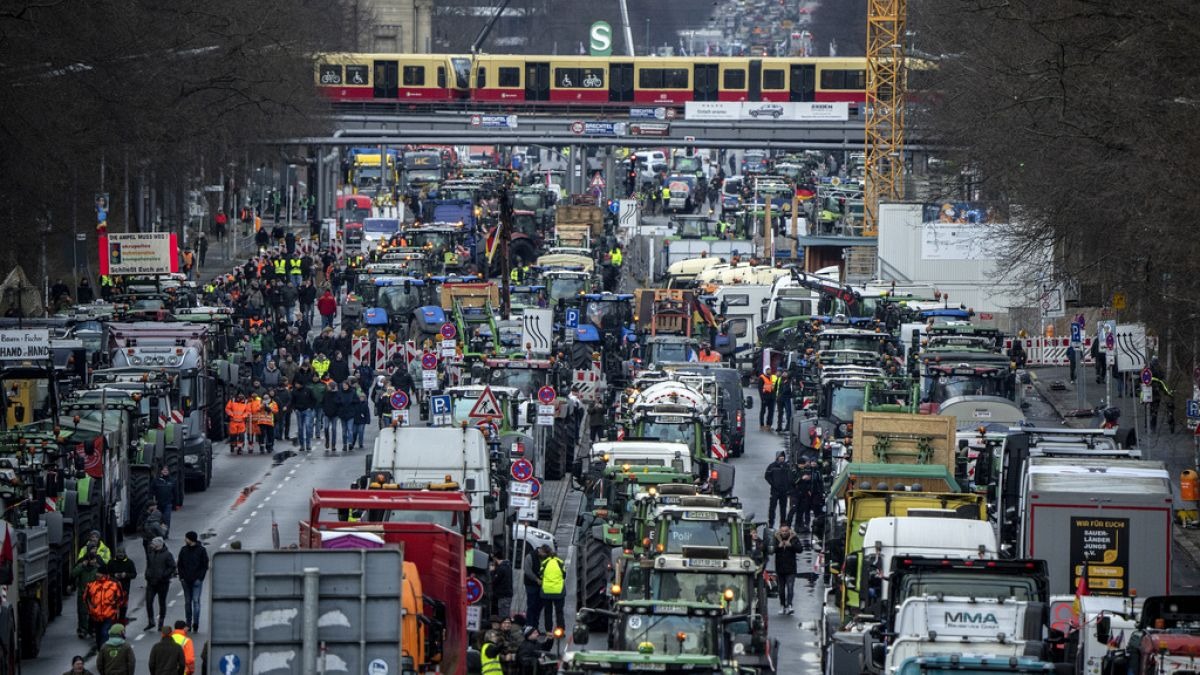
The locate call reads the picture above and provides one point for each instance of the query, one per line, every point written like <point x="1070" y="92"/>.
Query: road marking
<point x="287" y="477"/>
<point x="246" y="521"/>
<point x="139" y="637"/>
<point x="253" y="513"/>
<point x="266" y="499"/>
<point x="179" y="594"/>
<point x="274" y="491"/>
<point x="238" y="530"/>
<point x="171" y="603"/>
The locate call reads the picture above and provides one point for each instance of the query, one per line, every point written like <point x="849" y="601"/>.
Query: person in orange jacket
<point x="262" y="418"/>
<point x="180" y="636"/>
<point x="237" y="410"/>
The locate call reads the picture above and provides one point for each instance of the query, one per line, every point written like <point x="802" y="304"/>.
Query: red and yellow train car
<point x="584" y="80"/>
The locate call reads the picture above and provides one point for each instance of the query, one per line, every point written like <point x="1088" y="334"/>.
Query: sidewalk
<point x="1177" y="451"/>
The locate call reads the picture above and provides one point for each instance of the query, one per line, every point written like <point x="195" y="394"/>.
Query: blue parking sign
<point x="439" y="405"/>
<point x="1076" y="333"/>
<point x="1193" y="409"/>
<point x="572" y="317"/>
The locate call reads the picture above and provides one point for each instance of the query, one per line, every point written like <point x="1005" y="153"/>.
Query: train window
<point x="414" y="76"/>
<point x="331" y="74"/>
<point x="462" y="72"/>
<point x="593" y="78"/>
<point x="735" y="78"/>
<point x="357" y="75"/>
<point x="843" y="79"/>
<point x="509" y="77"/>
<point x="773" y="79"/>
<point x="481" y="77"/>
<point x="663" y="78"/>
<point x="441" y="77"/>
<point x="568" y="78"/>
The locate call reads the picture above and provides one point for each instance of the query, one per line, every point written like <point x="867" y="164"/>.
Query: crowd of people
<point x="514" y="642"/>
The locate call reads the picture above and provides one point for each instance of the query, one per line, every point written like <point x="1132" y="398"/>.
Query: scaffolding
<point x="884" y="107"/>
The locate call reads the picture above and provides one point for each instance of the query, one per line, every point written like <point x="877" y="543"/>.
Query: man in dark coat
<point x="166" y="656"/>
<point x="163" y="491"/>
<point x="787" y="545"/>
<point x="779" y="479"/>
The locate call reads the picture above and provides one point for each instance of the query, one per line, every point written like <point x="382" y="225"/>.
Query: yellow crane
<point x="884" y="108"/>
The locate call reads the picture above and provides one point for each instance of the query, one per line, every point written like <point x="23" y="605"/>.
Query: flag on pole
<point x="490" y="243"/>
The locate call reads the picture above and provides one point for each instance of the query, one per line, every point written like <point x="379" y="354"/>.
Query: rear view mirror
<point x="724" y="479"/>
<point x="749" y="403"/>
<point x="1103" y="629"/>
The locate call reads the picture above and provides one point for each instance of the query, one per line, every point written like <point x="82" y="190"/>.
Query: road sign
<point x="439" y="405"/>
<point x="449" y="349"/>
<point x="448" y="331"/>
<point x="474" y="590"/>
<point x="377" y="667"/>
<point x="400" y="416"/>
<point x="1110" y="341"/>
<point x="572" y="317"/>
<point x="1119" y="301"/>
<point x="537" y="330"/>
<point x="689" y="139"/>
<point x="1147" y="376"/>
<point x="600" y="39"/>
<point x="429" y="379"/>
<point x="230" y="664"/>
<point x="429" y="361"/>
<point x="521" y="470"/>
<point x="1076" y="334"/>
<point x="474" y="617"/>
<point x="1147" y="394"/>
<point x="577" y="127"/>
<point x="518" y="501"/>
<point x="547" y="394"/>
<point x="524" y="489"/>
<point x="598" y="181"/>
<point x="545" y="415"/>
<point x="529" y="513"/>
<point x="536" y="485"/>
<point x="1193" y="409"/>
<point x="400" y="400"/>
<point x="486" y="406"/>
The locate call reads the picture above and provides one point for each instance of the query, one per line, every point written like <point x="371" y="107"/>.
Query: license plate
<point x="700" y="562"/>
<point x="700" y="515"/>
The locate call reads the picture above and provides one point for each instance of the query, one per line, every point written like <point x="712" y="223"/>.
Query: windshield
<point x="353" y="214"/>
<point x="565" y="288"/>
<point x="527" y="298"/>
<point x="398" y="299"/>
<point x="681" y="532"/>
<point x="423" y="176"/>
<point x="846" y="400"/>
<point x="426" y="161"/>
<point x="996" y="586"/>
<point x="462" y="72"/>
<point x="421" y="239"/>
<point x="524" y="379"/>
<point x="447" y="519"/>
<point x="785" y="307"/>
<point x="657" y="352"/>
<point x="674" y="433"/>
<point x="939" y="388"/>
<point x="702" y="587"/>
<point x="366" y="176"/>
<point x="606" y="315"/>
<point x="664" y="630"/>
<point x="693" y="227"/>
<point x="687" y="164"/>
<point x="381" y="225"/>
<point x="527" y="202"/>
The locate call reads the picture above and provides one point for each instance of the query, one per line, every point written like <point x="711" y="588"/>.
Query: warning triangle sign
<point x="486" y="407"/>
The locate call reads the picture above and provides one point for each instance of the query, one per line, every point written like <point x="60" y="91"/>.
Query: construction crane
<point x="487" y="27"/>
<point x="885" y="108"/>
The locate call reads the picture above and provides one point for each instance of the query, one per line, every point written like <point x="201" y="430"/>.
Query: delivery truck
<point x="1104" y="522"/>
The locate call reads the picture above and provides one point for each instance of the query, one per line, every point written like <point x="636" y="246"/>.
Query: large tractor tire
<point x="33" y="626"/>
<point x="592" y="580"/>
<point x="560" y="448"/>
<point x="174" y="460"/>
<point x="54" y="591"/>
<point x="10" y="655"/>
<point x="139" y="493"/>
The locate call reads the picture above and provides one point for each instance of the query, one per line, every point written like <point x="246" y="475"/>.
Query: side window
<point x="567" y="78"/>
<point x="330" y="74"/>
<point x="675" y="78"/>
<point x="773" y="79"/>
<point x="414" y="76"/>
<point x="441" y="82"/>
<point x="650" y="78"/>
<point x="509" y="77"/>
<point x="481" y="77"/>
<point x="737" y="300"/>
<point x="356" y="75"/>
<point x="738" y="328"/>
<point x="735" y="79"/>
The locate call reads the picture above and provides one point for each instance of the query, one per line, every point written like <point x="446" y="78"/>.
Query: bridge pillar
<point x="423" y="27"/>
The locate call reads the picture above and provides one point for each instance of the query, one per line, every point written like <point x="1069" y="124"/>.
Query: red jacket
<point x="326" y="305"/>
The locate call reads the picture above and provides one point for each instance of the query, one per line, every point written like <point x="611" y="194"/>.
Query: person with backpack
<point x="103" y="598"/>
<point x="115" y="655"/>
<point x="166" y="656"/>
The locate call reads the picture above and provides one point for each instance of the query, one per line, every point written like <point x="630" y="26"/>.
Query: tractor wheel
<point x="593" y="580"/>
<point x="175" y="465"/>
<point x="139" y="493"/>
<point x="33" y="626"/>
<point x="54" y="592"/>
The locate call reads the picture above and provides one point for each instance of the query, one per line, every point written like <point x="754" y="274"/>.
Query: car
<point x="773" y="110"/>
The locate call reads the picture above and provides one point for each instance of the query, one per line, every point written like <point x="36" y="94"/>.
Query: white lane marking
<point x="139" y="637"/>
<point x="246" y="521"/>
<point x="171" y="603"/>
<point x="238" y="530"/>
<point x="266" y="499"/>
<point x="253" y="513"/>
<point x="287" y="477"/>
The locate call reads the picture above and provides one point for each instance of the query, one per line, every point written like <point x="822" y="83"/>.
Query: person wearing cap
<point x="103" y="597"/>
<point x="530" y="650"/>
<point x="707" y="355"/>
<point x="93" y="541"/>
<point x="779" y="478"/>
<point x="115" y="656"/>
<point x="77" y="667"/>
<point x="122" y="569"/>
<point x="164" y="491"/>
<point x="192" y="566"/>
<point x="166" y="656"/>
<point x="160" y="567"/>
<point x="84" y="573"/>
<point x="180" y="635"/>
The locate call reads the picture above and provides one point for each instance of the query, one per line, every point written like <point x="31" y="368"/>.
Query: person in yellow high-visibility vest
<point x="553" y="574"/>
